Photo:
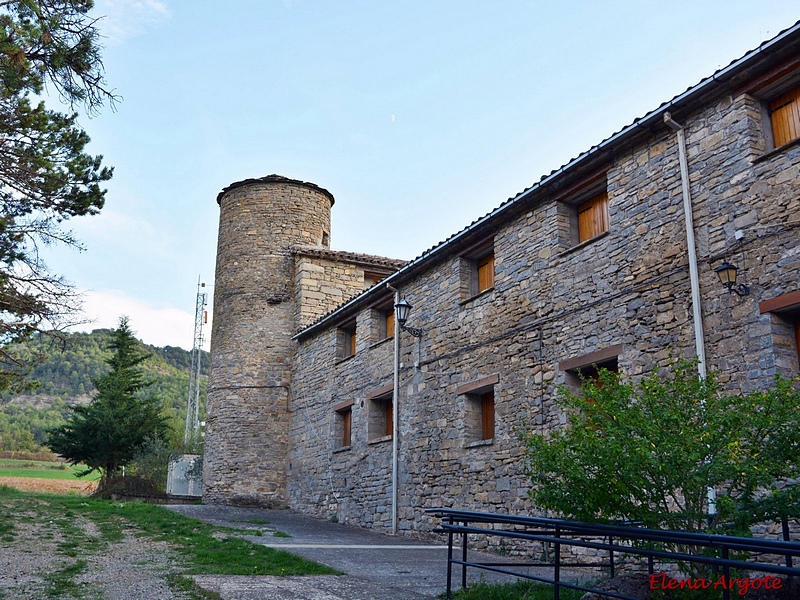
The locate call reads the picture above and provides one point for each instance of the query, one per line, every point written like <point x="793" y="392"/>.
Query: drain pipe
<point x="395" y="407"/>
<point x="694" y="278"/>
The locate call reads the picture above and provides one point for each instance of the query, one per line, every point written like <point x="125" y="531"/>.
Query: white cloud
<point x="125" y="234"/>
<point x="156" y="325"/>
<point x="124" y="19"/>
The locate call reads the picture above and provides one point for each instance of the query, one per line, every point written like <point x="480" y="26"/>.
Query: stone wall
<point x="325" y="279"/>
<point x="625" y="294"/>
<point x="322" y="285"/>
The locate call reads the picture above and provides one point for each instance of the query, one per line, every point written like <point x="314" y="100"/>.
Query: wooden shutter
<point x="785" y="117"/>
<point x="390" y="323"/>
<point x="593" y="217"/>
<point x="485" y="273"/>
<point x="352" y="343"/>
<point x="389" y="418"/>
<point x="487" y="415"/>
<point x="347" y="419"/>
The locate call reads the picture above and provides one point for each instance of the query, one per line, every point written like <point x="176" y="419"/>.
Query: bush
<point x="129" y="485"/>
<point x="649" y="450"/>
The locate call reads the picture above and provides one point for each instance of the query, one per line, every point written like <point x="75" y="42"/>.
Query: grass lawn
<point x="203" y="548"/>
<point x="42" y="470"/>
<point x="519" y="590"/>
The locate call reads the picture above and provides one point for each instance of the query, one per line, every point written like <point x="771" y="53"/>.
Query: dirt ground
<point x="51" y="555"/>
<point x="57" y="486"/>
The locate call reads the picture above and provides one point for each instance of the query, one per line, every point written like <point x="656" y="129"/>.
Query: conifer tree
<point x="47" y="47"/>
<point x="105" y="434"/>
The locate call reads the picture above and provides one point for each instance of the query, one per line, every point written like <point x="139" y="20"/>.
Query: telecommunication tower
<point x="193" y="404"/>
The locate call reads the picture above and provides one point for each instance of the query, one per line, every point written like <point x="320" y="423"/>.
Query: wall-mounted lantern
<point x="401" y="311"/>
<point x="727" y="276"/>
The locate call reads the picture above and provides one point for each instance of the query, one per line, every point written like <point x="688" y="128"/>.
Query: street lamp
<point x="727" y="276"/>
<point x="402" y="308"/>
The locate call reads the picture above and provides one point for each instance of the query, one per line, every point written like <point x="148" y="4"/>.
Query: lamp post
<point x="402" y="309"/>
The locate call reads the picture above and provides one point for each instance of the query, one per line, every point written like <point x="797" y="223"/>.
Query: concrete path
<point x="377" y="566"/>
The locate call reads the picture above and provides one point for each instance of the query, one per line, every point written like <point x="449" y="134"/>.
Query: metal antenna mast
<point x="193" y="405"/>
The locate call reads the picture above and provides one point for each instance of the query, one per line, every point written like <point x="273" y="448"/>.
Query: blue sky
<point x="419" y="117"/>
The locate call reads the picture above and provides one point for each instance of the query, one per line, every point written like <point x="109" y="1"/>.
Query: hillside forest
<point x="65" y="379"/>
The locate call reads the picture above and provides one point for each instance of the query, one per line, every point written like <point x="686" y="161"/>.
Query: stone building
<point x="594" y="265"/>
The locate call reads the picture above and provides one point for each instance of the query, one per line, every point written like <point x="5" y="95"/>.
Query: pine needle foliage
<point x="106" y="434"/>
<point x="46" y="175"/>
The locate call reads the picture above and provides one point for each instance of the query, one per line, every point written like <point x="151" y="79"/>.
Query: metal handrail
<point x="562" y="532"/>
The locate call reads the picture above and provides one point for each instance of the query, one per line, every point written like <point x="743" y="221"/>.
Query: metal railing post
<point x="611" y="555"/>
<point x="785" y="529"/>
<point x="557" y="570"/>
<point x="464" y="560"/>
<point x="449" y="557"/>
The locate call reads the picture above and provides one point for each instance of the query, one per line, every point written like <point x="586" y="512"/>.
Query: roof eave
<point x="654" y="118"/>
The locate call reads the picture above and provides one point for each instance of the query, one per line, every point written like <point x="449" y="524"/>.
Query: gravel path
<point x="30" y="564"/>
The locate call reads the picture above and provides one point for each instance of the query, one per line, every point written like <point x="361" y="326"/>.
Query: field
<point x="42" y="470"/>
<point x="45" y="476"/>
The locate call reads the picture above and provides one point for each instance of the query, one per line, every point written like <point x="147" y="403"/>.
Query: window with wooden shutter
<point x="479" y="410"/>
<point x="785" y="117"/>
<point x="389" y="417"/>
<point x="487" y="415"/>
<point x="592" y="217"/>
<point x="389" y="323"/>
<point x="347" y="420"/>
<point x="351" y="342"/>
<point x="346" y="341"/>
<point x="485" y="273"/>
<point x="588" y="367"/>
<point x="344" y="424"/>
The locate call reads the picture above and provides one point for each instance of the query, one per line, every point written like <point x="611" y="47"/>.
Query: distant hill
<point x="66" y="376"/>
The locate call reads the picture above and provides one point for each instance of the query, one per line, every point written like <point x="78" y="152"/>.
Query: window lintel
<point x="380" y="393"/>
<point x="783" y="303"/>
<point x="484" y="384"/>
<point x="593" y="358"/>
<point x="343" y="405"/>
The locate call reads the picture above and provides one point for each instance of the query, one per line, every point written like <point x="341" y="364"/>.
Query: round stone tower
<point x="247" y="422"/>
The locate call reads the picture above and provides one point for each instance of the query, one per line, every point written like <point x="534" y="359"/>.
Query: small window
<point x="487" y="415"/>
<point x="589" y="365"/>
<point x="388" y="323"/>
<point x="485" y="273"/>
<point x="592" y="217"/>
<point x="581" y="210"/>
<point x="346" y="341"/>
<point x="350" y="342"/>
<point x="784" y="114"/>
<point x="344" y="423"/>
<point x="381" y="418"/>
<point x="477" y="270"/>
<point x="479" y="410"/>
<point x="388" y="410"/>
<point x="576" y="377"/>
